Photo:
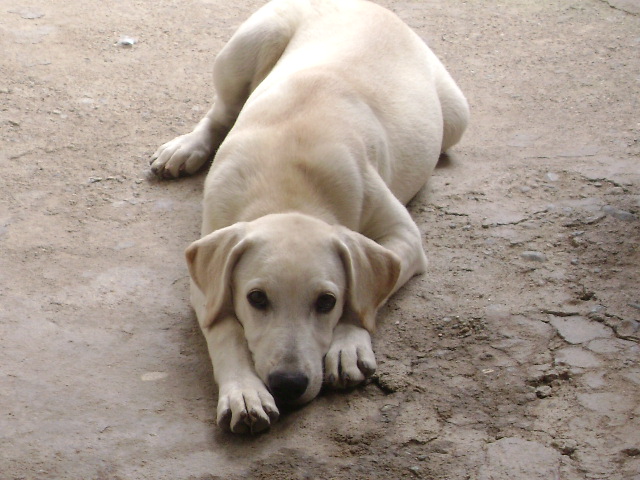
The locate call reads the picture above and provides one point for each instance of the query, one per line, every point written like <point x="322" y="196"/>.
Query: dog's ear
<point x="211" y="261"/>
<point x="372" y="272"/>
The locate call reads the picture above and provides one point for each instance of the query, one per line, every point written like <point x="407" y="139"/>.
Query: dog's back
<point x="347" y="72"/>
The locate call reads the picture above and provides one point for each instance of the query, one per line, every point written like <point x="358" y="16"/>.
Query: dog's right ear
<point x="211" y="261"/>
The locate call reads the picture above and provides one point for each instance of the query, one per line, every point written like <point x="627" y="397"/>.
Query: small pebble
<point x="126" y="42"/>
<point x="576" y="241"/>
<point x="533" y="256"/>
<point x="28" y="14"/>
<point x="619" y="214"/>
<point x="593" y="219"/>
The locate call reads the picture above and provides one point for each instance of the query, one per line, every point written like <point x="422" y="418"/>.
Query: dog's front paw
<point x="350" y="359"/>
<point x="246" y="408"/>
<point x="184" y="155"/>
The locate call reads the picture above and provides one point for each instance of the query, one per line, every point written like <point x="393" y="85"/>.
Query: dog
<point x="329" y="116"/>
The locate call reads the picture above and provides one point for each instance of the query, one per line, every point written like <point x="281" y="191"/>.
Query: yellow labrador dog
<point x="329" y="116"/>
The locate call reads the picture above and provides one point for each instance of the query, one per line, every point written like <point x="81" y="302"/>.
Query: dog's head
<point x="288" y="279"/>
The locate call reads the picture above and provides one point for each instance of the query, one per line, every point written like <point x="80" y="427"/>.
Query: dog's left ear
<point x="372" y="272"/>
<point x="211" y="261"/>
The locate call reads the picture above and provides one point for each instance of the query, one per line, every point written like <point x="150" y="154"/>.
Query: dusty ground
<point x="515" y="357"/>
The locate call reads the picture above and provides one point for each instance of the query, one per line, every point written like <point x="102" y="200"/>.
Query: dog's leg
<point x="350" y="359"/>
<point x="244" y="403"/>
<point x="239" y="68"/>
<point x="186" y="154"/>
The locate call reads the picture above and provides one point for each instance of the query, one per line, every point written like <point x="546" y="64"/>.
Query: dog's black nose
<point x="287" y="387"/>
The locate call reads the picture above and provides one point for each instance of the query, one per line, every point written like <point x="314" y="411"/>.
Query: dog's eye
<point x="258" y="299"/>
<point x="325" y="303"/>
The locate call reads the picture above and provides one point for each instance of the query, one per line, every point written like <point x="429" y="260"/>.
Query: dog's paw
<point x="350" y="359"/>
<point x="184" y="155"/>
<point x="246" y="408"/>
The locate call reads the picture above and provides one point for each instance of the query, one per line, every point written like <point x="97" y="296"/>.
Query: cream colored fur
<point x="330" y="115"/>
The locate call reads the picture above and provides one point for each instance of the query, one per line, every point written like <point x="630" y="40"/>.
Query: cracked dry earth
<point x="514" y="357"/>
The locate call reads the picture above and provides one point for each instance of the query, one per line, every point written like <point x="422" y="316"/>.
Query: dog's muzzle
<point x="287" y="387"/>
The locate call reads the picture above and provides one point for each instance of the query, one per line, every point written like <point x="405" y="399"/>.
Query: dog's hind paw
<point x="184" y="155"/>
<point x="246" y="409"/>
<point x="350" y="359"/>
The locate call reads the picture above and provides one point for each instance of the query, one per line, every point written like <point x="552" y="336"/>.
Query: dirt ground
<point x="515" y="357"/>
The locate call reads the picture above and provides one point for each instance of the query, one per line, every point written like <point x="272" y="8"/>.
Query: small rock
<point x="576" y="241"/>
<point x="631" y="451"/>
<point x="576" y="357"/>
<point x="27" y="14"/>
<point x="576" y="329"/>
<point x="392" y="382"/>
<point x="628" y="328"/>
<point x="619" y="214"/>
<point x="126" y="42"/>
<point x="387" y="407"/>
<point x="566" y="446"/>
<point x="593" y="219"/>
<point x="533" y="256"/>
<point x="552" y="177"/>
<point x="543" y="391"/>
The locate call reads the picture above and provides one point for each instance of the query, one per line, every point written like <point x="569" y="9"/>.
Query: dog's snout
<point x="287" y="387"/>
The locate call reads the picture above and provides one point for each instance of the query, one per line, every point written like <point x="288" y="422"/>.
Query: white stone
<point x="516" y="458"/>
<point x="577" y="329"/>
<point x="576" y="357"/>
